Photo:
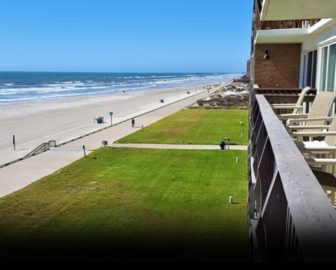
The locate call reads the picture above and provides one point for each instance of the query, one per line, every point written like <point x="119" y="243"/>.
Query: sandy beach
<point x="23" y="173"/>
<point x="62" y="120"/>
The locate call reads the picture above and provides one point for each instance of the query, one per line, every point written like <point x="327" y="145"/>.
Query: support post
<point x="84" y="150"/>
<point x="111" y="114"/>
<point x="14" y="142"/>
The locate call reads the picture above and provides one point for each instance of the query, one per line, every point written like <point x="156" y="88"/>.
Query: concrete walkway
<point x="23" y="173"/>
<point x="179" y="147"/>
<point x="66" y="124"/>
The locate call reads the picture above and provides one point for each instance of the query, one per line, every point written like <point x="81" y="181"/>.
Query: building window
<point x="324" y="68"/>
<point x="328" y="68"/>
<point x="304" y="71"/>
<point x="309" y="69"/>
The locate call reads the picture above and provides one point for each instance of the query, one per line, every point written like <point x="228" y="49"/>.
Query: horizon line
<point x="121" y="72"/>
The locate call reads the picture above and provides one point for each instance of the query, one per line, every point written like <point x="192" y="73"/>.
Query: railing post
<point x="14" y="142"/>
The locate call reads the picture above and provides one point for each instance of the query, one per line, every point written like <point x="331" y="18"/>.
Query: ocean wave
<point x="21" y="90"/>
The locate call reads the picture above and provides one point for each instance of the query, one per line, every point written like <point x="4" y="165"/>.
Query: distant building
<point x="292" y="190"/>
<point x="248" y="67"/>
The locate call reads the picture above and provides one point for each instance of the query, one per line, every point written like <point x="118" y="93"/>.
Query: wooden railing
<point x="290" y="216"/>
<point x="283" y="96"/>
<point x="277" y="91"/>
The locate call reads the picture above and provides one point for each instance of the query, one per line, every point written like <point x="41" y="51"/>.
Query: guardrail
<point x="282" y="24"/>
<point x="290" y="216"/>
<point x="283" y="96"/>
<point x="278" y="91"/>
<point x="288" y="24"/>
<point x="38" y="150"/>
<point x="41" y="148"/>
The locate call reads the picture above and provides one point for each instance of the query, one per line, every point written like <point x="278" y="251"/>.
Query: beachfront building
<point x="292" y="194"/>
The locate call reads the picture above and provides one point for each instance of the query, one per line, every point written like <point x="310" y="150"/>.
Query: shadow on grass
<point x="136" y="249"/>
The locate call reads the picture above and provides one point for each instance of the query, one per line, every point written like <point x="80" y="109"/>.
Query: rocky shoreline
<point x="235" y="94"/>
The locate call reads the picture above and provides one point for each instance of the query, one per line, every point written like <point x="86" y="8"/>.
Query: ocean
<point x="37" y="86"/>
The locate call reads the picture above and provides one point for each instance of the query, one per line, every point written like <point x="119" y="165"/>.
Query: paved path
<point x="179" y="147"/>
<point x="21" y="174"/>
<point x="74" y="120"/>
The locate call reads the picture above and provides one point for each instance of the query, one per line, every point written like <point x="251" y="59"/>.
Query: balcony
<point x="280" y="24"/>
<point x="275" y="10"/>
<point x="293" y="31"/>
<point x="285" y="31"/>
<point x="291" y="218"/>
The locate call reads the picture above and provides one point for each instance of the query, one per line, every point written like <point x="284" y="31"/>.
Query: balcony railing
<point x="269" y="25"/>
<point x="272" y="25"/>
<point x="283" y="96"/>
<point x="290" y="216"/>
<point x="277" y="91"/>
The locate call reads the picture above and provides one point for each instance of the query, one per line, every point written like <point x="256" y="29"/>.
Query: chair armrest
<point x="321" y="161"/>
<point x="286" y="106"/>
<point x="314" y="133"/>
<point x="293" y="116"/>
<point x="309" y="127"/>
<point x="309" y="119"/>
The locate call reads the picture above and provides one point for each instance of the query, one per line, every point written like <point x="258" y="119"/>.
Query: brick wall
<point x="282" y="69"/>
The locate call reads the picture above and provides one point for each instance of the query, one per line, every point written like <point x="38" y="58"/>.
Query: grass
<point x="126" y="204"/>
<point x="196" y="126"/>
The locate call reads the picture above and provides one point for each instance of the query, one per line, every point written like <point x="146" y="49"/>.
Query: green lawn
<point x="196" y="126"/>
<point x="129" y="204"/>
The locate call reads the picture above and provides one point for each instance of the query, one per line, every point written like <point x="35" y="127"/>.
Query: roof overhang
<point x="281" y="36"/>
<point x="293" y="35"/>
<point x="276" y="10"/>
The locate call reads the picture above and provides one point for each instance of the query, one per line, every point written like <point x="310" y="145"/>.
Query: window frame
<point x="323" y="86"/>
<point x="307" y="74"/>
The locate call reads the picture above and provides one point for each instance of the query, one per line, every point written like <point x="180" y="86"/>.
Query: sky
<point x="125" y="35"/>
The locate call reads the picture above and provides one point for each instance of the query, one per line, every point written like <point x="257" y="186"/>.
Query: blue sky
<point x="125" y="35"/>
